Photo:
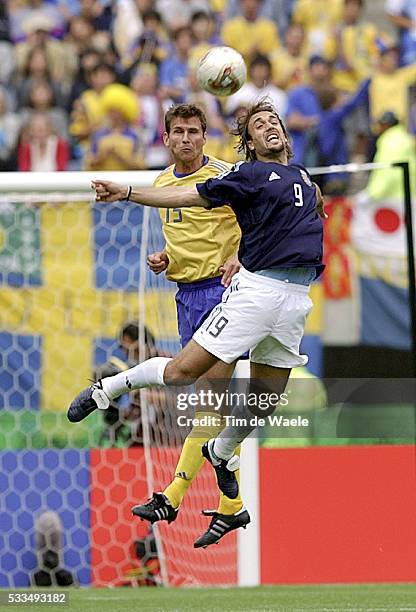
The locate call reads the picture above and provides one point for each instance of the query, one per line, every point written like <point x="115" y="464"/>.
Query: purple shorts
<point x="194" y="302"/>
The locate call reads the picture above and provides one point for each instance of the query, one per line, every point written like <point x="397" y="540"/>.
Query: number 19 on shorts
<point x="215" y="323"/>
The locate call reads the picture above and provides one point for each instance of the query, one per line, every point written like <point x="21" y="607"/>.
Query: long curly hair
<point x="241" y="128"/>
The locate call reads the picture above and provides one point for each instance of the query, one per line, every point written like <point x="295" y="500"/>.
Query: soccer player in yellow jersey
<point x="200" y="256"/>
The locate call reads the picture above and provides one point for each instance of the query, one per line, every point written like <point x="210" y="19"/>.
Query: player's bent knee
<point x="178" y="374"/>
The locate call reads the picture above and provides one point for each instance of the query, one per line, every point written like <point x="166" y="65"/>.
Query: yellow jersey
<point x="198" y="241"/>
<point x="389" y="92"/>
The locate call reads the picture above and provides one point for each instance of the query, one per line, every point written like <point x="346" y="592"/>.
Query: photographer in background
<point x="124" y="422"/>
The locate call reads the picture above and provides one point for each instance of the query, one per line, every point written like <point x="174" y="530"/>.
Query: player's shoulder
<point x="164" y="176"/>
<point x="236" y="171"/>
<point x="306" y="177"/>
<point x="216" y="165"/>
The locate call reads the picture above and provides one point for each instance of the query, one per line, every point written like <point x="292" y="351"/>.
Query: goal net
<point x="73" y="273"/>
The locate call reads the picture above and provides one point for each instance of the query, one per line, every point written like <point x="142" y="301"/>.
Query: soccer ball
<point x="222" y="71"/>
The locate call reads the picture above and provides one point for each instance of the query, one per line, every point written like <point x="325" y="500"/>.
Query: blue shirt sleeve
<point x="359" y="98"/>
<point x="230" y="187"/>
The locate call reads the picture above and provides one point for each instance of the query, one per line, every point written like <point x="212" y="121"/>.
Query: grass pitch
<point x="319" y="598"/>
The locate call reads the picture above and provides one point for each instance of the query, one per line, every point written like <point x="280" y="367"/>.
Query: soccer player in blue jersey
<point x="278" y="209"/>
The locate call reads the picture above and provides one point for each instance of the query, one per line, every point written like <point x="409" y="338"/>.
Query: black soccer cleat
<point x="87" y="401"/>
<point x="220" y="525"/>
<point x="224" y="469"/>
<point x="158" y="508"/>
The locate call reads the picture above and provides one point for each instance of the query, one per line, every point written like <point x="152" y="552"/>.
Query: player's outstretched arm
<point x="160" y="197"/>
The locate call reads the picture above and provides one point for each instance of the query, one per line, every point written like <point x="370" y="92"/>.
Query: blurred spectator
<point x="230" y="151"/>
<point x="150" y="125"/>
<point x="249" y="33"/>
<point x="203" y="33"/>
<point x="7" y="61"/>
<point x="259" y="86"/>
<point x="49" y="548"/>
<point x="290" y="63"/>
<point x="278" y="11"/>
<point x="304" y="109"/>
<point x="33" y="15"/>
<point x="390" y="84"/>
<point x="99" y="13"/>
<point x="402" y="14"/>
<point x="80" y="37"/>
<point x="87" y="115"/>
<point x="124" y="423"/>
<point x="318" y="17"/>
<point x="41" y="100"/>
<point x="4" y="21"/>
<point x="331" y="143"/>
<point x="116" y="147"/>
<point x="152" y="46"/>
<point x="352" y="47"/>
<point x="394" y="144"/>
<point x="174" y="69"/>
<point x="58" y="62"/>
<point x="177" y="13"/>
<point x="7" y="53"/>
<point x="216" y="127"/>
<point x="87" y="62"/>
<point x="128" y="22"/>
<point x="128" y="340"/>
<point x="36" y="70"/>
<point x="9" y="132"/>
<point x="68" y="8"/>
<point x="71" y="8"/>
<point x="41" y="150"/>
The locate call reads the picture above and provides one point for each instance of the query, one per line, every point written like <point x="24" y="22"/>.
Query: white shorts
<point x="258" y="313"/>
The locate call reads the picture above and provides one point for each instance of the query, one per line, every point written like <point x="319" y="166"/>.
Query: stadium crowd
<point x="84" y="84"/>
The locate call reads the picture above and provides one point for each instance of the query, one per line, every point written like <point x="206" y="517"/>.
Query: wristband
<point x="129" y="190"/>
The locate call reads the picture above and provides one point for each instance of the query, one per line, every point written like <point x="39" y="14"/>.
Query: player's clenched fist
<point x="106" y="191"/>
<point x="158" y="262"/>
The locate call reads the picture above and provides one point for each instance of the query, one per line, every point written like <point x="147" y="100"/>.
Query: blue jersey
<point x="275" y="206"/>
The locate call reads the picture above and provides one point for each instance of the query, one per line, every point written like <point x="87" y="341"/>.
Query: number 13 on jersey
<point x="173" y="215"/>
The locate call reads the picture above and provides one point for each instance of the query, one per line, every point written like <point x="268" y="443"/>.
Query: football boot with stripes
<point x="220" y="525"/>
<point x="158" y="508"/>
<point x="224" y="469"/>
<point x="87" y="401"/>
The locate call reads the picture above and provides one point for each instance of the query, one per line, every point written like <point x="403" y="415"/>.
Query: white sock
<point x="145" y="374"/>
<point x="224" y="448"/>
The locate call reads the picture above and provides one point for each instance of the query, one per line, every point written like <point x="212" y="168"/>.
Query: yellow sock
<point x="227" y="505"/>
<point x="191" y="459"/>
